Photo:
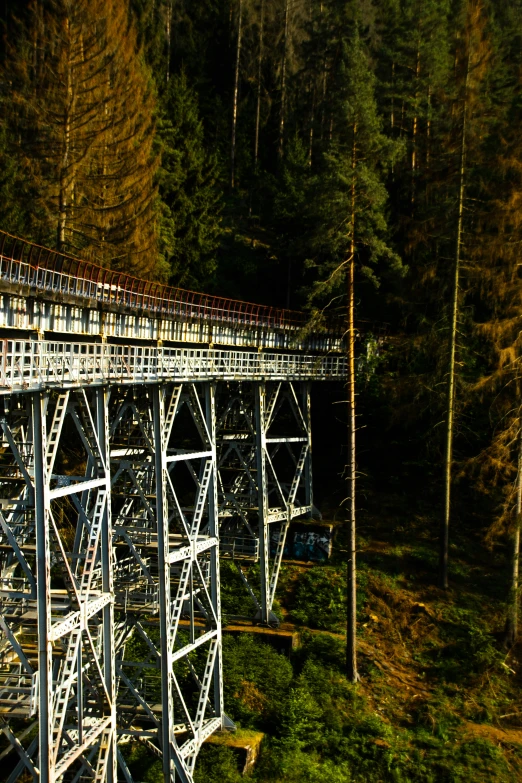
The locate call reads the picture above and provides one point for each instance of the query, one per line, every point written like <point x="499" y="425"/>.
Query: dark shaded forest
<point x="313" y="154"/>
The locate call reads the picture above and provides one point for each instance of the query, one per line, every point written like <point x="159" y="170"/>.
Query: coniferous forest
<point x="352" y="158"/>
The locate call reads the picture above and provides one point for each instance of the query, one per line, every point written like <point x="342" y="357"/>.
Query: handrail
<point x="23" y="262"/>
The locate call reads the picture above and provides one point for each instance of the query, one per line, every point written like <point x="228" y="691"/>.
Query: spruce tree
<point x="190" y="195"/>
<point x="472" y="65"/>
<point x="290" y="211"/>
<point x="495" y="270"/>
<point x="413" y="61"/>
<point x="352" y="202"/>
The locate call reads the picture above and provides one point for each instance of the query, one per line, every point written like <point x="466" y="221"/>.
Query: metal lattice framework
<point x="111" y="501"/>
<point x="126" y="471"/>
<point x="107" y="561"/>
<point x="265" y="470"/>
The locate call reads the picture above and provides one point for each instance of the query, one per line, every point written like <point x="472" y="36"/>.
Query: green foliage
<point x="319" y="598"/>
<point x="293" y="767"/>
<point x="256" y="678"/>
<point x="16" y="193"/>
<point x="78" y="113"/>
<point x="143" y="765"/>
<point x="351" y="192"/>
<point x="234" y="598"/>
<point x="470" y="648"/>
<point x="190" y="200"/>
<point x="217" y="764"/>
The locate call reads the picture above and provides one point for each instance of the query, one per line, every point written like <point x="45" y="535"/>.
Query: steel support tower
<point x="265" y="473"/>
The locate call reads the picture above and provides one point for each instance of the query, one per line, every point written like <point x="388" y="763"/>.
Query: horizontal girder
<point x="37" y="364"/>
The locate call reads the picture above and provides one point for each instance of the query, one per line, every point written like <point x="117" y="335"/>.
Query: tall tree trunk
<point x="323" y="103"/>
<point x="511" y="632"/>
<point x="392" y="110"/>
<point x="169" y="36"/>
<point x="311" y="131"/>
<point x="235" y="97"/>
<point x="312" y="93"/>
<point x="259" y="75"/>
<point x="283" y="85"/>
<point x="428" y="126"/>
<point x="450" y="410"/>
<point x="65" y="162"/>
<point x="414" y="162"/>
<point x="351" y="630"/>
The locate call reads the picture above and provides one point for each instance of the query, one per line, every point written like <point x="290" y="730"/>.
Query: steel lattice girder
<point x="109" y="586"/>
<point x="265" y="477"/>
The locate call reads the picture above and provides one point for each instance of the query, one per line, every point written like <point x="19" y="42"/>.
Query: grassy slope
<point x="439" y="699"/>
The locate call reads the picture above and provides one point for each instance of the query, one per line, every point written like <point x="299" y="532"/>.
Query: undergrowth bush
<point x="319" y="599"/>
<point x="256" y="678"/>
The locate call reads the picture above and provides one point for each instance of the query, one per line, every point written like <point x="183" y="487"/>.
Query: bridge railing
<point x="24" y="263"/>
<point x="30" y="364"/>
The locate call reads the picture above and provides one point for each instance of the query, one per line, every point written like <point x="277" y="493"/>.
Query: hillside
<point x="439" y="697"/>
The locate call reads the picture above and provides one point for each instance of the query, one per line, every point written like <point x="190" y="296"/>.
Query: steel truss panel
<point x="110" y="628"/>
<point x="32" y="365"/>
<point x="57" y="639"/>
<point x="265" y="473"/>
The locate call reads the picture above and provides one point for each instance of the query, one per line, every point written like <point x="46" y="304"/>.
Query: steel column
<point x="167" y="715"/>
<point x="43" y="587"/>
<point x="213" y="530"/>
<point x="264" y="542"/>
<point x="107" y="569"/>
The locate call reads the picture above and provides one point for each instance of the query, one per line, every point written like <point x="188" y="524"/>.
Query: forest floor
<point x="439" y="697"/>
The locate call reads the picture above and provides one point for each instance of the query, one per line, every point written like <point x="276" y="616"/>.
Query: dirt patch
<point x="398" y="676"/>
<point x="494" y="734"/>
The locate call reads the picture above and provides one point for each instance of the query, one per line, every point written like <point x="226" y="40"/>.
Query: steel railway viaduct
<point x="145" y="432"/>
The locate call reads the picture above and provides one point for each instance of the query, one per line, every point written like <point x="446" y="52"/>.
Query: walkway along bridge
<point x="145" y="431"/>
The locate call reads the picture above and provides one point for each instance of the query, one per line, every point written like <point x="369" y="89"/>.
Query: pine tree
<point x="290" y="210"/>
<point x="154" y="25"/>
<point x="18" y="214"/>
<point x="352" y="199"/>
<point x="413" y="68"/>
<point x="472" y="62"/>
<point x="190" y="195"/>
<point x="120" y="187"/>
<point x="496" y="275"/>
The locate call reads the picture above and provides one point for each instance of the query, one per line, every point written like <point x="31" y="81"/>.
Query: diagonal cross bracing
<point x="264" y="462"/>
